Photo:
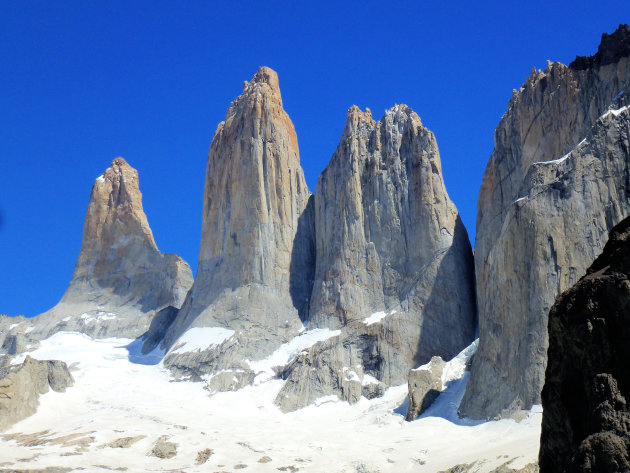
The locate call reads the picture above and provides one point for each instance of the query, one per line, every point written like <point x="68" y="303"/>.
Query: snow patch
<point x="100" y="178"/>
<point x="616" y="112"/>
<point x="286" y="352"/>
<point x="369" y="379"/>
<point x="111" y="394"/>
<point x="201" y="338"/>
<point x="377" y="317"/>
<point x="12" y="326"/>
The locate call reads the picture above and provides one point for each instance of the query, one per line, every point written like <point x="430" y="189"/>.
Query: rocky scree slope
<point x="556" y="183"/>
<point x="586" y="420"/>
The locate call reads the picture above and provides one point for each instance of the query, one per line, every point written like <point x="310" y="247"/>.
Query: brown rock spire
<point x="256" y="246"/>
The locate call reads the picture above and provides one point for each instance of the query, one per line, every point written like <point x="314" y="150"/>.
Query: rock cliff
<point x="121" y="279"/>
<point x="21" y="386"/>
<point x="394" y="266"/>
<point x="257" y="251"/>
<point x="555" y="185"/>
<point x="586" y="419"/>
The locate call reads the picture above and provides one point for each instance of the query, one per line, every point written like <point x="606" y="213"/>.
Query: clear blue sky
<point x="84" y="82"/>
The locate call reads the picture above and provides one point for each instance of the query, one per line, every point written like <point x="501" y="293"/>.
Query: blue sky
<point x="84" y="82"/>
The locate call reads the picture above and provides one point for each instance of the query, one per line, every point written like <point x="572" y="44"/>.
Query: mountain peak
<point x="611" y="48"/>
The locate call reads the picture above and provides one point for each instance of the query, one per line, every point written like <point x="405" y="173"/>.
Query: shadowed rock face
<point x="586" y="419"/>
<point x="257" y="252"/>
<point x="388" y="240"/>
<point x="554" y="186"/>
<point x="21" y="386"/>
<point x="121" y="278"/>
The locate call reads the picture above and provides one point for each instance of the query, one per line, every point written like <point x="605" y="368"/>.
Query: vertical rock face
<point x="394" y="266"/>
<point x="586" y="419"/>
<point x="257" y="251"/>
<point x="555" y="184"/>
<point x="121" y="278"/>
<point x="384" y="221"/>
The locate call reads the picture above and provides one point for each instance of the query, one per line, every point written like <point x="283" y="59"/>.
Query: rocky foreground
<point x="586" y="424"/>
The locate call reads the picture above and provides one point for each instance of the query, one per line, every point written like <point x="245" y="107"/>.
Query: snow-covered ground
<point x="114" y="398"/>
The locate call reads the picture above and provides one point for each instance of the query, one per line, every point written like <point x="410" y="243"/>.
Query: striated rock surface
<point x="394" y="265"/>
<point x="586" y="419"/>
<point x="121" y="279"/>
<point x="555" y="185"/>
<point x="257" y="251"/>
<point x="21" y="386"/>
<point x="425" y="385"/>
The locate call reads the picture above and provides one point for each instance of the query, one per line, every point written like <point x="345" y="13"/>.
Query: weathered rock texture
<point x="21" y="386"/>
<point x="257" y="251"/>
<point x="384" y="222"/>
<point x="121" y="279"/>
<point x="586" y="418"/>
<point x="425" y="385"/>
<point x="555" y="185"/>
<point x="388" y="239"/>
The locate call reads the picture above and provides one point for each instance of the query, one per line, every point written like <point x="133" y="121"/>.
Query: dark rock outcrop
<point x="586" y="417"/>
<point x="555" y="185"/>
<point x="612" y="48"/>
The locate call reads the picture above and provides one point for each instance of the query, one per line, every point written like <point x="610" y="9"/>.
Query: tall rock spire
<point x="256" y="256"/>
<point x="394" y="266"/>
<point x="121" y="278"/>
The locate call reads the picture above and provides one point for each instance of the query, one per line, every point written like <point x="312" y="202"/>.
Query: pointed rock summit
<point x="394" y="266"/>
<point x="121" y="279"/>
<point x="257" y="253"/>
<point x="386" y="229"/>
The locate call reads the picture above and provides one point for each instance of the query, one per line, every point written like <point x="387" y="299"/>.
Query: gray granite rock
<point x="393" y="263"/>
<point x="21" y="385"/>
<point x="121" y="279"/>
<point x="257" y="250"/>
<point x="555" y="185"/>
<point x="425" y="385"/>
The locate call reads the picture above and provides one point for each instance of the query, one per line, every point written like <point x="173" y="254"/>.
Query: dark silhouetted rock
<point x="586" y="417"/>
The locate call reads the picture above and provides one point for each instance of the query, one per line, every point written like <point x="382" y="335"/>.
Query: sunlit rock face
<point x="555" y="185"/>
<point x="394" y="269"/>
<point x="121" y="279"/>
<point x="257" y="250"/>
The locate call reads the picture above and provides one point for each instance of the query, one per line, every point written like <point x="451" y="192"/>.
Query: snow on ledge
<point x="286" y="352"/>
<point x="377" y="317"/>
<point x="201" y="338"/>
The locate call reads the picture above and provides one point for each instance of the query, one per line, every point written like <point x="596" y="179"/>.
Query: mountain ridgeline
<point x="344" y="291"/>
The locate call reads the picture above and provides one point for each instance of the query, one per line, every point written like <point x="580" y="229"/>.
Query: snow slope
<point x="114" y="398"/>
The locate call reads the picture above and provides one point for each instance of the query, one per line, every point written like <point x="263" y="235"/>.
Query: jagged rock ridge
<point x="389" y="242"/>
<point x="586" y="419"/>
<point x="553" y="188"/>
